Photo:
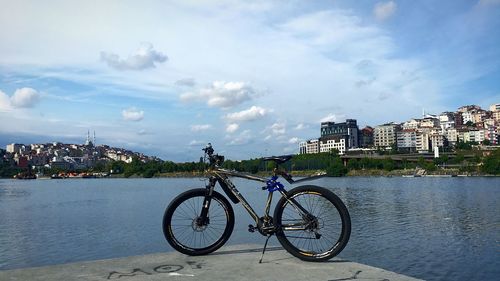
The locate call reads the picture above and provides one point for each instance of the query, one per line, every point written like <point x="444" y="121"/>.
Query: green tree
<point x="336" y="168"/>
<point x="463" y="145"/>
<point x="388" y="164"/>
<point x="491" y="163"/>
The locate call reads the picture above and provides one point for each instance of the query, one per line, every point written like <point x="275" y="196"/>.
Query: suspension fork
<point x="203" y="219"/>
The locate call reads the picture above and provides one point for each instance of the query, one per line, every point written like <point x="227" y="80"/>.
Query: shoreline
<point x="352" y="173"/>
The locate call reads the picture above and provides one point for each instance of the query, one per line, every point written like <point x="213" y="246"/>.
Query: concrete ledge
<point x="229" y="263"/>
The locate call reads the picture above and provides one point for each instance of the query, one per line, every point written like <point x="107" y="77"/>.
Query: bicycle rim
<point x="191" y="236"/>
<point x="316" y="242"/>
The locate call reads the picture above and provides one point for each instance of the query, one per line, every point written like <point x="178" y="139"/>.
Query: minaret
<point x="93" y="142"/>
<point x="87" y="142"/>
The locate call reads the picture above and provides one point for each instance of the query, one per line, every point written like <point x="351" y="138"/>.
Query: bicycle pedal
<point x="251" y="228"/>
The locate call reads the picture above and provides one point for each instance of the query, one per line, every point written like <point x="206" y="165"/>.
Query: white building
<point x="437" y="140"/>
<point x="309" y="147"/>
<point x="467" y="116"/>
<point x="477" y="135"/>
<point x="422" y="142"/>
<point x="407" y="139"/>
<point x="491" y="134"/>
<point x="385" y="135"/>
<point x="411" y="124"/>
<point x="447" y="120"/>
<point x="328" y="143"/>
<point x="429" y="122"/>
<point x="15" y="148"/>
<point x="496" y="115"/>
<point x="452" y="136"/>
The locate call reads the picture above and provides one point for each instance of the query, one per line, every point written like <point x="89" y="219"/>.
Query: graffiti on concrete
<point x="165" y="268"/>
<point x="171" y="269"/>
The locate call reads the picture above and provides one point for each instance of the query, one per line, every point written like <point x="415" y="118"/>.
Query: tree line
<point x="329" y="162"/>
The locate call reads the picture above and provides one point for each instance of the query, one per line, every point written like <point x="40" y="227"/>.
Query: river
<point x="429" y="228"/>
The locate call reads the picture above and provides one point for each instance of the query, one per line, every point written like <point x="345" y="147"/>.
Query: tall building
<point x="447" y="120"/>
<point x="309" y="147"/>
<point x="459" y="120"/>
<point x="385" y="135"/>
<point x="347" y="130"/>
<point x="366" y="137"/>
<point x="407" y="140"/>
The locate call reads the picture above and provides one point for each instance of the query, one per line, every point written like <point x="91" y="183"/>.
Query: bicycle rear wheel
<point x="321" y="236"/>
<point x="189" y="235"/>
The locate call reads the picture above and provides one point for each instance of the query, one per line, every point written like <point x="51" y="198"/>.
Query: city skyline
<point x="253" y="78"/>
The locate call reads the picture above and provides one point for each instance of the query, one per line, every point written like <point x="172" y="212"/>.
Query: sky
<point x="254" y="78"/>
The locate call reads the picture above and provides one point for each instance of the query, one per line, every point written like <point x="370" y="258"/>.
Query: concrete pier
<point x="228" y="263"/>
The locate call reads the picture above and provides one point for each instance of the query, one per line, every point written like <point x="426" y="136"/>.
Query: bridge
<point x="410" y="157"/>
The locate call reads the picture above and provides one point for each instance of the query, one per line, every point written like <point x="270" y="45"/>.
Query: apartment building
<point x="347" y="130"/>
<point x="308" y="147"/>
<point x="385" y="135"/>
<point x="328" y="143"/>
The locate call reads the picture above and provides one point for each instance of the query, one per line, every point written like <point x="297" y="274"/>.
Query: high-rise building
<point x="347" y="130"/>
<point x="366" y="137"/>
<point x="407" y="140"/>
<point x="385" y="135"/>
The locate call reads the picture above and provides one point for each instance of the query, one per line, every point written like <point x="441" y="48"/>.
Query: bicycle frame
<point x="222" y="177"/>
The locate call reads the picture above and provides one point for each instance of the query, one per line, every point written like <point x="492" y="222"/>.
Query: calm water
<point x="430" y="228"/>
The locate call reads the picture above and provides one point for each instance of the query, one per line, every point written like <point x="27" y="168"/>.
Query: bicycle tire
<point x="179" y="221"/>
<point x="333" y="224"/>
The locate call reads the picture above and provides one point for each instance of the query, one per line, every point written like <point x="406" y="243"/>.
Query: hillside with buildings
<point x="468" y="124"/>
<point x="58" y="156"/>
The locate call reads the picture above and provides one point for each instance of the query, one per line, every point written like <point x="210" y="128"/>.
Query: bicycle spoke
<point x="328" y="224"/>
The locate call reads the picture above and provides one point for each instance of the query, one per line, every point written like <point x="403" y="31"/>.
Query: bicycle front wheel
<point x="190" y="235"/>
<point x="319" y="235"/>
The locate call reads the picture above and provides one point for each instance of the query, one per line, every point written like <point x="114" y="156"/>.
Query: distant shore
<point x="352" y="173"/>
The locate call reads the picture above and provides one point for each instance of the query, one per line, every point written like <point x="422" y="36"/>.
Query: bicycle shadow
<point x="270" y="259"/>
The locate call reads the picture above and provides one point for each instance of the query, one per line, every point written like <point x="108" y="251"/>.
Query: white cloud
<point x="4" y="102"/>
<point x="251" y="114"/>
<point x="243" y="138"/>
<point x="197" y="143"/>
<point x="199" y="128"/>
<point x="329" y="118"/>
<point x="384" y="10"/>
<point x="24" y="97"/>
<point x="187" y="82"/>
<point x="484" y="3"/>
<point x="222" y="94"/>
<point x="278" y="128"/>
<point x="143" y="58"/>
<point x="231" y="128"/>
<point x="143" y="132"/>
<point x="300" y="126"/>
<point x="340" y="34"/>
<point x="294" y="140"/>
<point x="132" y="114"/>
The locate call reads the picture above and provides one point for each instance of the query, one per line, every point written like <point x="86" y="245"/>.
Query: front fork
<point x="203" y="218"/>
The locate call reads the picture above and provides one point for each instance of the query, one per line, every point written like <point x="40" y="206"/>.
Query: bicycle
<point x="310" y="222"/>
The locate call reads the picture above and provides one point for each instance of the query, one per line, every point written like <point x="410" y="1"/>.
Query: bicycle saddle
<point x="278" y="159"/>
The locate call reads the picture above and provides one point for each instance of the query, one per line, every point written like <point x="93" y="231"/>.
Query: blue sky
<point x="252" y="77"/>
